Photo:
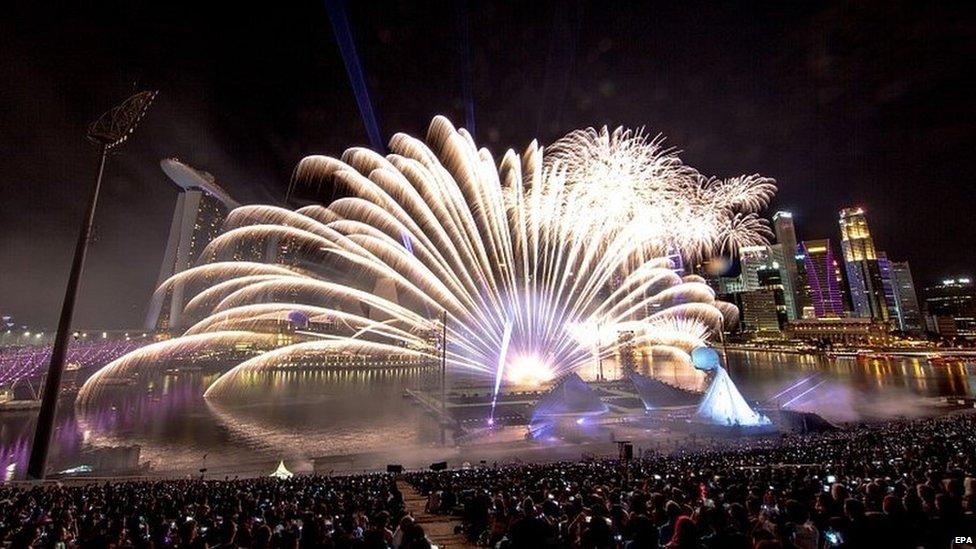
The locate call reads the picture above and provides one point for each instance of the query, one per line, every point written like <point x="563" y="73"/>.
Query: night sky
<point x="866" y="103"/>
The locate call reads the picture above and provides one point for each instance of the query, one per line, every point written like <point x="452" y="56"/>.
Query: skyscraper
<point x="753" y="259"/>
<point x="759" y="314"/>
<point x="822" y="278"/>
<point x="804" y="305"/>
<point x="950" y="308"/>
<point x="771" y="279"/>
<point x="786" y="237"/>
<point x="861" y="264"/>
<point x="884" y="267"/>
<point x="909" y="314"/>
<point x="201" y="208"/>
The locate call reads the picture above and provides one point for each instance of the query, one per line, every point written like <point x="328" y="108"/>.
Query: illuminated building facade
<point x="950" y="308"/>
<point x="909" y="314"/>
<point x="751" y="259"/>
<point x="759" y="313"/>
<point x="201" y="208"/>
<point x="861" y="263"/>
<point x="884" y="267"/>
<point x="822" y="279"/>
<point x="845" y="331"/>
<point x="725" y="285"/>
<point x="772" y="280"/>
<point x="786" y="238"/>
<point x="754" y="259"/>
<point x="803" y="304"/>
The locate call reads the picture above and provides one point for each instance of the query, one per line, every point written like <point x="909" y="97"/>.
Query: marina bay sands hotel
<point x="201" y="208"/>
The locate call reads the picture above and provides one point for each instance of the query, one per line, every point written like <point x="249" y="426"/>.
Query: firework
<point x="623" y="181"/>
<point x="525" y="255"/>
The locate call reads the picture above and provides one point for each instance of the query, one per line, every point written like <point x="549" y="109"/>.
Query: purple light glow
<point x="824" y="291"/>
<point x="19" y="363"/>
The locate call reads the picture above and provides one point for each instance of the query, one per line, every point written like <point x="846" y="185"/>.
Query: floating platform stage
<point x="471" y="406"/>
<point x="626" y="401"/>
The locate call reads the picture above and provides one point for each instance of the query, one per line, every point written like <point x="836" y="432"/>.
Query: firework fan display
<point x="539" y="262"/>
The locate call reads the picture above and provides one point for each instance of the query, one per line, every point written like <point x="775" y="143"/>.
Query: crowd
<point x="907" y="483"/>
<point x="898" y="484"/>
<point x="304" y="511"/>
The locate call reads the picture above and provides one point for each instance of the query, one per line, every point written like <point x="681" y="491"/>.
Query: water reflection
<point x="850" y="389"/>
<point x="763" y="372"/>
<point x="305" y="414"/>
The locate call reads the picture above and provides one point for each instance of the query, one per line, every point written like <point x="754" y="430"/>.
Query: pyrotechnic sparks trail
<point x="519" y="252"/>
<point x="500" y="371"/>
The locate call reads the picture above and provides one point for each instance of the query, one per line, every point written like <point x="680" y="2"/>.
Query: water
<point x="850" y="389"/>
<point x="298" y="416"/>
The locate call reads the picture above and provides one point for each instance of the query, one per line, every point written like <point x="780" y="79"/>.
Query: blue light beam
<point x="347" y="47"/>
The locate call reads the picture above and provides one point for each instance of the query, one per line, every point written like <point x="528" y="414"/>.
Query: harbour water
<point x="298" y="416"/>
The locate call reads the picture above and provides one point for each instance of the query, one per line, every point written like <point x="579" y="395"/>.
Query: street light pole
<point x="52" y="386"/>
<point x="109" y="131"/>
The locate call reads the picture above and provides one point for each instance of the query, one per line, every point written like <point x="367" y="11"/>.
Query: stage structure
<point x="655" y="393"/>
<point x="723" y="404"/>
<point x="565" y="409"/>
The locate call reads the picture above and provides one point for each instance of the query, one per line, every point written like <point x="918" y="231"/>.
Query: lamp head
<point x="115" y="126"/>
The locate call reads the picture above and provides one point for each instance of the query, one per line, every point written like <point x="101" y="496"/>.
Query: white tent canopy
<point x="282" y="472"/>
<point x="724" y="405"/>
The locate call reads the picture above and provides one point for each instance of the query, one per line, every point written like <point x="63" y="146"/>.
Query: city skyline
<point x="855" y="294"/>
<point x="771" y="253"/>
